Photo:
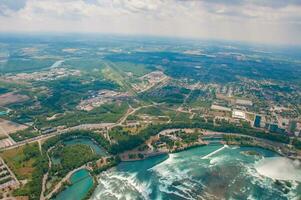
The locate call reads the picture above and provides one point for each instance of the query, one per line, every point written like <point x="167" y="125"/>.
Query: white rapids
<point x="279" y="168"/>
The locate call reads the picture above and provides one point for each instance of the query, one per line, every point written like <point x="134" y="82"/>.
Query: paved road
<point x="15" y="180"/>
<point x="130" y="112"/>
<point x="42" y="137"/>
<point x="45" y="177"/>
<point x="79" y="127"/>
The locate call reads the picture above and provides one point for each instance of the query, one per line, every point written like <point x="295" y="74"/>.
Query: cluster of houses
<point x="275" y="124"/>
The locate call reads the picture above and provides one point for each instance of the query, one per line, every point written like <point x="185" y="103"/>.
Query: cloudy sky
<point x="269" y="21"/>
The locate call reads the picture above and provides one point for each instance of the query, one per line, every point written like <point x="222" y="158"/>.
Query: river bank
<point x="214" y="171"/>
<point x="281" y="149"/>
<point x="166" y="141"/>
<point x="81" y="183"/>
<point x="148" y="151"/>
<point x="170" y="156"/>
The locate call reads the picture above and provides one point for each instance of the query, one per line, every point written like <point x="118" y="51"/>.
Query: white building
<point x="220" y="108"/>
<point x="238" y="114"/>
<point x="244" y="102"/>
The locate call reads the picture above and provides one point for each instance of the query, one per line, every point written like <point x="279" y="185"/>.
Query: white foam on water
<point x="250" y="169"/>
<point x="122" y="185"/>
<point x="112" y="187"/>
<point x="279" y="168"/>
<point x="184" y="190"/>
<point x="115" y="185"/>
<point x="293" y="194"/>
<point x="170" y="171"/>
<point x="251" y="197"/>
<point x="214" y="152"/>
<point x="169" y="161"/>
<point x="217" y="160"/>
<point x="107" y="189"/>
<point x="265" y="171"/>
<point x="256" y="178"/>
<point x="165" y="190"/>
<point x="142" y="187"/>
<point x="207" y="195"/>
<point x="191" y="183"/>
<point x="167" y="175"/>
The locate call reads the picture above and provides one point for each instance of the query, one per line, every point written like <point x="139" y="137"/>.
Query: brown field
<point x="6" y="142"/>
<point x="10" y="98"/>
<point x="8" y="127"/>
<point x="13" y="158"/>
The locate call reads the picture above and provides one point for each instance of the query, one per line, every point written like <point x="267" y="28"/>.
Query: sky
<point x="260" y="21"/>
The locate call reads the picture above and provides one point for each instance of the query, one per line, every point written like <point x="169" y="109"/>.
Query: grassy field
<point x="164" y="111"/>
<point x="84" y="64"/>
<point x="113" y="75"/>
<point x="105" y="113"/>
<point x="172" y="95"/>
<point x="18" y="161"/>
<point x="153" y="111"/>
<point x="72" y="156"/>
<point x="24" y="134"/>
<point x="30" y="65"/>
<point x="201" y="103"/>
<point x="28" y="164"/>
<point x="137" y="70"/>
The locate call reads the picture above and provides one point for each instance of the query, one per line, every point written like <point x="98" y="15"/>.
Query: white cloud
<point x="262" y="21"/>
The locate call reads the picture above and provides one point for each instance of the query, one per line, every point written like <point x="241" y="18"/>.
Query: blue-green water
<point x="3" y="113"/>
<point x="82" y="182"/>
<point x="87" y="141"/>
<point x="209" y="172"/>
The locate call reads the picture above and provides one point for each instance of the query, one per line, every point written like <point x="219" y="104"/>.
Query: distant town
<point x="68" y="112"/>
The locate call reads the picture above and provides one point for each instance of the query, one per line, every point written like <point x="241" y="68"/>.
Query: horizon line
<point x="140" y="35"/>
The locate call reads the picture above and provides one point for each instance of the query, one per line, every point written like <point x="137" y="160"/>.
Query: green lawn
<point x="73" y="156"/>
<point x="137" y="70"/>
<point x="105" y="113"/>
<point x="27" y="163"/>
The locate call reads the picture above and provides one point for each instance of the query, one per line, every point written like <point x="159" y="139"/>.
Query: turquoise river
<point x="81" y="183"/>
<point x="210" y="172"/>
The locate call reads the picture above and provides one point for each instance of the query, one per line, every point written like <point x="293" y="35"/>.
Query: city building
<point x="244" y="102"/>
<point x="220" y="108"/>
<point x="238" y="114"/>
